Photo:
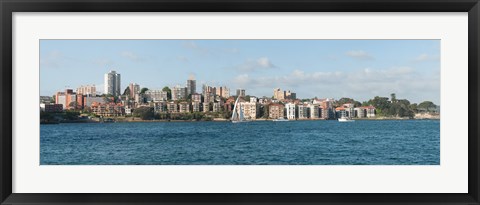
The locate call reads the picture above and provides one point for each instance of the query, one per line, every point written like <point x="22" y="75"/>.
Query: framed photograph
<point x="263" y="102"/>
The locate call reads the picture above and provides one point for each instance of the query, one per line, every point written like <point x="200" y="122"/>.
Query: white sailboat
<point x="280" y="119"/>
<point x="345" y="119"/>
<point x="238" y="116"/>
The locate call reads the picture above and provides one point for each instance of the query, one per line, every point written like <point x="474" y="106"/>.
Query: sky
<point x="358" y="69"/>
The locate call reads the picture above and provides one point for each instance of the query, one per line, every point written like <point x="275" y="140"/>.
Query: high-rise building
<point x="90" y="90"/>
<point x="278" y="94"/>
<point x="134" y="89"/>
<point x="240" y="92"/>
<point x="223" y="91"/>
<point x="179" y="93"/>
<point x="112" y="83"/>
<point x="290" y="95"/>
<point x="191" y="86"/>
<point x="65" y="98"/>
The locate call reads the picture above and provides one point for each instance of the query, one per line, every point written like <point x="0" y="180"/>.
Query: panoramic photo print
<point x="239" y="102"/>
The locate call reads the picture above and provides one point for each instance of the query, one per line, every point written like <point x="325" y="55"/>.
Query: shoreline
<point x="228" y="120"/>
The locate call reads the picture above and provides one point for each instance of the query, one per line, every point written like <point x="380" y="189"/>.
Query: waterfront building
<point x="276" y="111"/>
<point x="134" y="89"/>
<point x="241" y="92"/>
<point x="314" y="111"/>
<point x="206" y="107"/>
<point x="326" y="105"/>
<point x="128" y="110"/>
<point x="179" y="93"/>
<point x="172" y="107"/>
<point x="160" y="107"/>
<point x="87" y="90"/>
<point x="60" y="98"/>
<point x="250" y="110"/>
<point x="365" y="112"/>
<point x="108" y="109"/>
<point x="302" y="110"/>
<point x="45" y="99"/>
<point x="155" y="95"/>
<point x="340" y="112"/>
<point x="217" y="107"/>
<point x="196" y="106"/>
<point x="112" y="83"/>
<point x="191" y="86"/>
<point x="290" y="110"/>
<point x="65" y="98"/>
<point x="349" y="110"/>
<point x="51" y="107"/>
<point x="183" y="107"/>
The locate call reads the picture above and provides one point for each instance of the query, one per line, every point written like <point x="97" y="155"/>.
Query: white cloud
<point x="250" y="65"/>
<point x="360" y="84"/>
<point x="104" y="62"/>
<point x="52" y="59"/>
<point x="131" y="56"/>
<point x="359" y="54"/>
<point x="191" y="45"/>
<point x="426" y="57"/>
<point x="183" y="59"/>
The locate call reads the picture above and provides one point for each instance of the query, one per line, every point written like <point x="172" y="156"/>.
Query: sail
<point x="234" y="113"/>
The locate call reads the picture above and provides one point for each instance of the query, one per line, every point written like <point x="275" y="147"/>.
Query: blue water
<point x="403" y="142"/>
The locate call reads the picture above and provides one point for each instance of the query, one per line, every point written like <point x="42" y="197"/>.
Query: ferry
<point x="280" y="119"/>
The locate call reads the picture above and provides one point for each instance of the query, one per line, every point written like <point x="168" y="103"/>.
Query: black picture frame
<point x="7" y="7"/>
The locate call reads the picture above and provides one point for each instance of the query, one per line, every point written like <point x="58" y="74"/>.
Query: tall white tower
<point x="112" y="83"/>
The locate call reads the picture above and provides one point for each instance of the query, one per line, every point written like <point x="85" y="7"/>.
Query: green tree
<point x="143" y="90"/>
<point x="427" y="106"/>
<point x="71" y="115"/>
<point x="73" y="104"/>
<point x="265" y="112"/>
<point x="127" y="91"/>
<point x="414" y="107"/>
<point x="146" y="113"/>
<point x="342" y="101"/>
<point x="169" y="92"/>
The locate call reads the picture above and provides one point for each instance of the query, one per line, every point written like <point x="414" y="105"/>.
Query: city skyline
<point x="359" y="69"/>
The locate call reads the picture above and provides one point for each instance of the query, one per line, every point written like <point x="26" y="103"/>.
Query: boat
<point x="108" y="120"/>
<point x="345" y="119"/>
<point x="238" y="116"/>
<point x="280" y="119"/>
